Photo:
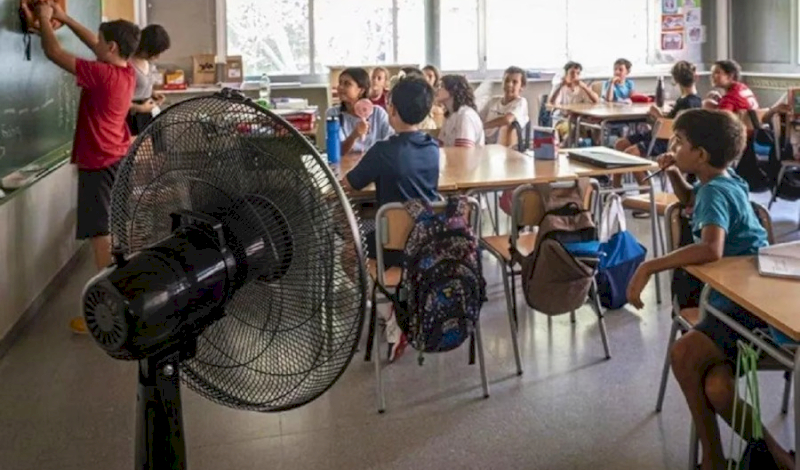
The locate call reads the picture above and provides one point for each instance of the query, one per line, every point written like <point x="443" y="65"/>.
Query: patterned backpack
<point x="442" y="286"/>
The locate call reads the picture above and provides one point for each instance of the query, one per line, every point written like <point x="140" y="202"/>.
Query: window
<point x="546" y="34"/>
<point x="458" y="34"/>
<point x="274" y="36"/>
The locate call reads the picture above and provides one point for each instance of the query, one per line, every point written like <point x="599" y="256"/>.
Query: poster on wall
<point x="672" y="23"/>
<point x="693" y="16"/>
<point x="672" y="41"/>
<point x="696" y="34"/>
<point x="672" y="7"/>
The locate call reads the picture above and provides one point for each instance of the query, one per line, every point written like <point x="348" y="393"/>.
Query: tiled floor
<point x="65" y="405"/>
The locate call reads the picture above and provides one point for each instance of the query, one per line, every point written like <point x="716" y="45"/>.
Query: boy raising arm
<point x="101" y="131"/>
<point x="723" y="224"/>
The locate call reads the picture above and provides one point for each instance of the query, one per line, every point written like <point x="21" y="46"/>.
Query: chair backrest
<point x="662" y="129"/>
<point x="393" y="223"/>
<point x="744" y="116"/>
<point x="530" y="211"/>
<point x="597" y="86"/>
<point x="672" y="222"/>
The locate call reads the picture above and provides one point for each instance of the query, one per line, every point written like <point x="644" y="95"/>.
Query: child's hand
<point x="616" y="80"/>
<point x="44" y="11"/>
<point x="666" y="160"/>
<point x="58" y="12"/>
<point x="362" y="128"/>
<point x="147" y="106"/>
<point x="159" y="98"/>
<point x="638" y="282"/>
<point x="782" y="108"/>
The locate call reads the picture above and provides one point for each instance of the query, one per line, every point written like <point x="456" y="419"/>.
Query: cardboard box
<point x="174" y="80"/>
<point x="234" y="69"/>
<point x="205" y="69"/>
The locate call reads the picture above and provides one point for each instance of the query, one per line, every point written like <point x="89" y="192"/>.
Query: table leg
<point x="654" y="227"/>
<point x="796" y="407"/>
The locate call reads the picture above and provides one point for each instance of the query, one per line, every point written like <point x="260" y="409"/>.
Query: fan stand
<point x="159" y="420"/>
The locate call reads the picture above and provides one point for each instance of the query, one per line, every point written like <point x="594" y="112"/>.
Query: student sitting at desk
<point x="725" y="74"/>
<point x="358" y="134"/>
<point x="684" y="74"/>
<point x="571" y="90"/>
<point x="502" y="111"/>
<point x="620" y="87"/>
<point x="723" y="224"/>
<point x="379" y="82"/>
<point x="404" y="167"/>
<point x="462" y="126"/>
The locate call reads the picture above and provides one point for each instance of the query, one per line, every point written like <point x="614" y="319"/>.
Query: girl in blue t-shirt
<point x="358" y="134"/>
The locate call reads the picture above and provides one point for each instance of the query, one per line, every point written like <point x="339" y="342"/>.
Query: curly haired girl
<point x="462" y="126"/>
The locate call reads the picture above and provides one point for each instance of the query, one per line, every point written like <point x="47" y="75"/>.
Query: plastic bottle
<point x="332" y="142"/>
<point x="264" y="88"/>
<point x="660" y="93"/>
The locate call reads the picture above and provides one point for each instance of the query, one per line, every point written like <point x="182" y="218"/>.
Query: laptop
<point x="605" y="157"/>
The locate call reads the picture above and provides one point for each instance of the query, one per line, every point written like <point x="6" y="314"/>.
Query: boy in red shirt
<point x="101" y="133"/>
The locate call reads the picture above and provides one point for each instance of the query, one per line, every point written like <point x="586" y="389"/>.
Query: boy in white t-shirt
<point x="571" y="90"/>
<point x="502" y="111"/>
<point x="462" y="126"/>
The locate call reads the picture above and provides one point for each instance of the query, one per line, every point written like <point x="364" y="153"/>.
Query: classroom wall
<point x="192" y="28"/>
<point x="37" y="239"/>
<point x="119" y="9"/>
<point x="764" y="35"/>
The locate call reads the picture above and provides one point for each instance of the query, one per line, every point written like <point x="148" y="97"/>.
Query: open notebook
<point x="780" y="260"/>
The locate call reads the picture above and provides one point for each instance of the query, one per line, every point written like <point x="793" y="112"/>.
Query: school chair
<point x="788" y="165"/>
<point x="685" y="320"/>
<point x="526" y="215"/>
<point x="393" y="225"/>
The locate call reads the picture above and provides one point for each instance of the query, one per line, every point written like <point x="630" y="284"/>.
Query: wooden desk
<point x="774" y="300"/>
<point x="605" y="113"/>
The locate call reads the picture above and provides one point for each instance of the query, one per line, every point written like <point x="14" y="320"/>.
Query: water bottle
<point x="332" y="142"/>
<point x="264" y="88"/>
<point x="660" y="93"/>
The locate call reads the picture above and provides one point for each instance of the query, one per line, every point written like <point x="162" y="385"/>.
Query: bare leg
<point x="102" y="251"/>
<point x="692" y="356"/>
<point x="719" y="389"/>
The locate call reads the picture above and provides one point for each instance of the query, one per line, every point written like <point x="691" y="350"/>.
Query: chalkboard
<point x="38" y="101"/>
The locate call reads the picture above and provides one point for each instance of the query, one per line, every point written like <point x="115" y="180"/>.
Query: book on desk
<point x="604" y="157"/>
<point x="781" y="260"/>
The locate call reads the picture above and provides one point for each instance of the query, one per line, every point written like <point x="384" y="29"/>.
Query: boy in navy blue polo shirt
<point x="403" y="167"/>
<point x="723" y="224"/>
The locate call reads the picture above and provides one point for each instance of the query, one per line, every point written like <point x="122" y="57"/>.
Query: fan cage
<point x="283" y="341"/>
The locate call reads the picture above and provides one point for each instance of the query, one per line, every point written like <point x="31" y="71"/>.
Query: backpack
<point x="554" y="279"/>
<point x="442" y="284"/>
<point x="758" y="164"/>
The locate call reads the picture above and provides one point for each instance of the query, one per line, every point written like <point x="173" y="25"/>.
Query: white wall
<point x="37" y="238"/>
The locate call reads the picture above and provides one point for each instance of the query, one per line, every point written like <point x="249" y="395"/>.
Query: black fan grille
<point x="285" y="338"/>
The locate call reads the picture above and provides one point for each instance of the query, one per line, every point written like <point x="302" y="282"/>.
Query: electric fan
<point x="238" y="267"/>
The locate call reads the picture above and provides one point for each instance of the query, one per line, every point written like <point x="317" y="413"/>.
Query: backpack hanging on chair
<point x="442" y="285"/>
<point x="558" y="274"/>
<point x="758" y="164"/>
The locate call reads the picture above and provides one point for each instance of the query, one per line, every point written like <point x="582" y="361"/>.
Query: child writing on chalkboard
<point x="154" y="42"/>
<point x="101" y="133"/>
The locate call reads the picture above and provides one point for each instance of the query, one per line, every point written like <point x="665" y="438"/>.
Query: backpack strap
<point x="416" y="208"/>
<point x="456" y="207"/>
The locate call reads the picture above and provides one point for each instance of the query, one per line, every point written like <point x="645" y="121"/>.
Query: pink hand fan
<point x="363" y="108"/>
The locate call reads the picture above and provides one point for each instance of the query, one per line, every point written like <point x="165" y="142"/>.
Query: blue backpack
<point x="621" y="254"/>
<point x="442" y="286"/>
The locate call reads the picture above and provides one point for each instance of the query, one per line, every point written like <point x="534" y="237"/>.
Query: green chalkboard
<point x="38" y="101"/>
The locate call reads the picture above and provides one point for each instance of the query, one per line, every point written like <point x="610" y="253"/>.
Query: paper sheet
<point x="780" y="260"/>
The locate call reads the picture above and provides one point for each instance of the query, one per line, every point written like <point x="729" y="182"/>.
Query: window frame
<point x="432" y="17"/>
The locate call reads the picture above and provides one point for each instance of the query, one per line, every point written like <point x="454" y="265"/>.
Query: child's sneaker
<point x="396" y="349"/>
<point x="78" y="326"/>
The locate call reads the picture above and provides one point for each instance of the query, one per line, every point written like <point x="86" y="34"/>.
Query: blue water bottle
<point x="332" y="142"/>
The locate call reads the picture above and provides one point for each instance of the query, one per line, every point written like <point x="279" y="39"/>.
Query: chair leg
<point x="572" y="316"/>
<point x="373" y="320"/>
<point x="378" y="377"/>
<point x="513" y="295"/>
<point x="774" y="197"/>
<point x="673" y="334"/>
<point x="512" y="322"/>
<point x="694" y="448"/>
<point x="600" y="320"/>
<point x="481" y="363"/>
<point x="660" y="225"/>
<point x="787" y="391"/>
<point x="496" y="214"/>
